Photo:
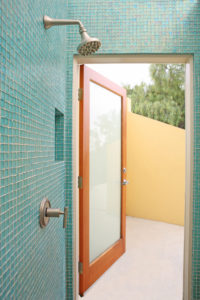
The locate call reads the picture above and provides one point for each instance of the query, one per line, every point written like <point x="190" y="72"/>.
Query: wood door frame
<point x="92" y="271"/>
<point x="139" y="58"/>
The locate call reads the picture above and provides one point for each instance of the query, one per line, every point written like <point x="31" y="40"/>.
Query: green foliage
<point x="164" y="98"/>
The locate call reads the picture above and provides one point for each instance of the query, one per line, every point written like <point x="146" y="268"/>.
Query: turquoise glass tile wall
<point x="147" y="27"/>
<point x="32" y="84"/>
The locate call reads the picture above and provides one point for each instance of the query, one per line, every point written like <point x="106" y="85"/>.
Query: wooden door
<point x="102" y="169"/>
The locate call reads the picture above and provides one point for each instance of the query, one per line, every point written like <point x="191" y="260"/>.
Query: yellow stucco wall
<point x="155" y="170"/>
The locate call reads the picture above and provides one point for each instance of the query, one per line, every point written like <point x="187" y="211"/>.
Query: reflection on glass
<point x="105" y="169"/>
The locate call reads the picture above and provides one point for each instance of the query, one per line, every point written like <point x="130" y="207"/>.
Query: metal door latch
<point x="125" y="182"/>
<point x="47" y="212"/>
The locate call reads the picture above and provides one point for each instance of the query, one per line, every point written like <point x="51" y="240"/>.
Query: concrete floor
<point x="151" y="268"/>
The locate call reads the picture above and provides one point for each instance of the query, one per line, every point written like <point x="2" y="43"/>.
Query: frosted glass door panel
<point x="105" y="170"/>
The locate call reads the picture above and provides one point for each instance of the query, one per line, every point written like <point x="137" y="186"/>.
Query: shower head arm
<point x="88" y="44"/>
<point x="49" y="22"/>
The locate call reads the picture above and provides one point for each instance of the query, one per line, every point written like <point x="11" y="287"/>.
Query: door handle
<point x="125" y="182"/>
<point x="47" y="212"/>
<point x="56" y="212"/>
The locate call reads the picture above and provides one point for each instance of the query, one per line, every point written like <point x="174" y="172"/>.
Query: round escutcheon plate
<point x="43" y="207"/>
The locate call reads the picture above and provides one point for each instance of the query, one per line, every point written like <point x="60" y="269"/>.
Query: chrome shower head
<point x="87" y="46"/>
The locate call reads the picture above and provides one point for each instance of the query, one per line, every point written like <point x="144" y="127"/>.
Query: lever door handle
<point x="56" y="212"/>
<point x="125" y="182"/>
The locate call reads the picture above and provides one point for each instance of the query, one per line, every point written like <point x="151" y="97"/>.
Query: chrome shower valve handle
<point x="65" y="217"/>
<point x="56" y="212"/>
<point x="47" y="212"/>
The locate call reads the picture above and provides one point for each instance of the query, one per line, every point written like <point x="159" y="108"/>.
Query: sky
<point x="124" y="74"/>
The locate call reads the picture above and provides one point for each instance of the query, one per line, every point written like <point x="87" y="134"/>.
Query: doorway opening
<point x="187" y="60"/>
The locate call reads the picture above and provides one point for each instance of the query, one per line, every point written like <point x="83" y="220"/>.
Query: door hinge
<point x="80" y="182"/>
<point x="80" y="94"/>
<point x="80" y="267"/>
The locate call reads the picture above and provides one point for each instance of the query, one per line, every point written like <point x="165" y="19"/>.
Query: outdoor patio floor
<point x="151" y="268"/>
